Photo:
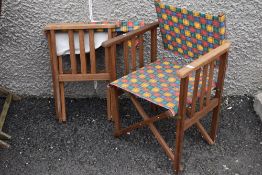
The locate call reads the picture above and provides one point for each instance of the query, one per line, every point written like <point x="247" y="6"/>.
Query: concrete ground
<point x="85" y="145"/>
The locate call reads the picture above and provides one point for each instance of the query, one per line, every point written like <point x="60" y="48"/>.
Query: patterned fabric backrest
<point x="189" y="33"/>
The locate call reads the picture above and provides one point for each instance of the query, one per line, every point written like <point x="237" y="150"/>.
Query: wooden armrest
<point x="129" y="35"/>
<point x="78" y="26"/>
<point x="203" y="60"/>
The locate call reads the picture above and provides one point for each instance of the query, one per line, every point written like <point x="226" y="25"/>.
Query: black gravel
<point x="85" y="145"/>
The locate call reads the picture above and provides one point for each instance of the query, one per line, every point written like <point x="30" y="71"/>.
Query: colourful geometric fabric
<point x="157" y="83"/>
<point x="189" y="33"/>
<point x="127" y="26"/>
<point x="121" y="26"/>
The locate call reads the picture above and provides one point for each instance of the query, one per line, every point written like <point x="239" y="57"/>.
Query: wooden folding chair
<point x="85" y="33"/>
<point x="185" y="90"/>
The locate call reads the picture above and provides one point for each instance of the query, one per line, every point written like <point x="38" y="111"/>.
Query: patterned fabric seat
<point x="157" y="83"/>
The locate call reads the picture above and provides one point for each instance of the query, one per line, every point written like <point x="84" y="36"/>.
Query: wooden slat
<point x="113" y="62"/>
<point x="126" y="59"/>
<point x="72" y="52"/>
<point x="141" y="51"/>
<point x="107" y="52"/>
<point x="210" y="82"/>
<point x="198" y="115"/>
<point x="195" y="93"/>
<point x="83" y="77"/>
<point x="60" y="65"/>
<point x="107" y="59"/>
<point x="203" y="87"/>
<point x="78" y="26"/>
<point x="82" y="51"/>
<point x="153" y="44"/>
<point x="110" y="33"/>
<point x="193" y="109"/>
<point x="133" y="53"/>
<point x="92" y="51"/>
<point x="203" y="60"/>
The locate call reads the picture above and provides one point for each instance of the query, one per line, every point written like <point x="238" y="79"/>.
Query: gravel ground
<point x="85" y="145"/>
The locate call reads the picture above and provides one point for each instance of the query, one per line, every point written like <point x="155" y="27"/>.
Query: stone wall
<point x="24" y="54"/>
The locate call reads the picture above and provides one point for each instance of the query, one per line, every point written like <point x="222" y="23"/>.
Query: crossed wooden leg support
<point x="4" y="136"/>
<point x="182" y="125"/>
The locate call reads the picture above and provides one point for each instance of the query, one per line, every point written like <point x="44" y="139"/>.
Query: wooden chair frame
<point x="59" y="76"/>
<point x="187" y="117"/>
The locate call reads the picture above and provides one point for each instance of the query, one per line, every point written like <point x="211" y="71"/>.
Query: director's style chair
<point x="184" y="89"/>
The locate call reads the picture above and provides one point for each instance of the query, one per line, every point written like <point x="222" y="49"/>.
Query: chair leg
<point x="179" y="145"/>
<point x="214" y="124"/>
<point x="108" y="99"/>
<point x="63" y="107"/>
<point x="115" y="111"/>
<point x="57" y="99"/>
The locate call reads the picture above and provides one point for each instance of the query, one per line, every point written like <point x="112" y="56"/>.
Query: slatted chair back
<point x="188" y="33"/>
<point x="80" y="30"/>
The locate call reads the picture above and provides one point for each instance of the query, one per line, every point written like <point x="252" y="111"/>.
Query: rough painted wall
<point x="25" y="67"/>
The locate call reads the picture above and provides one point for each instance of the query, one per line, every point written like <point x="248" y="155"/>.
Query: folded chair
<point x="75" y="40"/>
<point x="183" y="83"/>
